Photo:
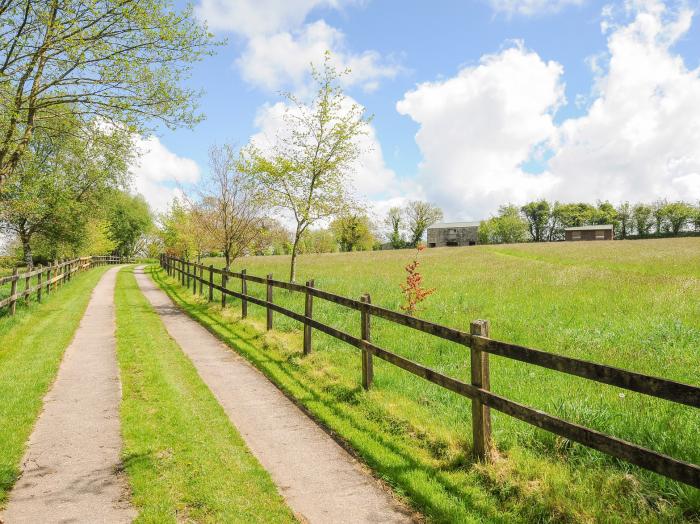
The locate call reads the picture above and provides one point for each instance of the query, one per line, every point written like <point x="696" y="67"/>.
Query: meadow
<point x="631" y="304"/>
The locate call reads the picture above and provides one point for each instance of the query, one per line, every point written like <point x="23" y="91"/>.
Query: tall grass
<point x="632" y="304"/>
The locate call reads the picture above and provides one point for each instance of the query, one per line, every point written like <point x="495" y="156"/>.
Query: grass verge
<point x="407" y="442"/>
<point x="31" y="347"/>
<point x="184" y="459"/>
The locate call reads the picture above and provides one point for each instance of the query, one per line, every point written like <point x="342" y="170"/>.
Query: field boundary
<point x="62" y="272"/>
<point x="191" y="274"/>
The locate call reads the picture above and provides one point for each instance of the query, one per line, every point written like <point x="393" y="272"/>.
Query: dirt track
<point x="70" y="468"/>
<point x="319" y="480"/>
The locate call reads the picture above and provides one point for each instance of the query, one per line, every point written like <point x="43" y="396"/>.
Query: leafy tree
<point x="605" y="213"/>
<point x="508" y="227"/>
<point x="696" y="218"/>
<point x="677" y="215"/>
<point x="642" y="215"/>
<point x="538" y="215"/>
<point x="176" y="231"/>
<point x="353" y="232"/>
<point x="625" y="219"/>
<point x="659" y="216"/>
<point x="62" y="180"/>
<point x="307" y="171"/>
<point x="419" y="217"/>
<point x="120" y="61"/>
<point x="274" y="238"/>
<point x="232" y="204"/>
<point x="394" y="221"/>
<point x="318" y="241"/>
<point x="129" y="220"/>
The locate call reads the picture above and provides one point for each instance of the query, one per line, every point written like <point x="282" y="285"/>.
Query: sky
<point x="476" y="104"/>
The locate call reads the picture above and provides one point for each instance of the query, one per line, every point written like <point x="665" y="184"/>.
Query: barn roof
<point x="589" y="228"/>
<point x="446" y="225"/>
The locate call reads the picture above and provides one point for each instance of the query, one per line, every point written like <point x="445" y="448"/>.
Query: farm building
<point x="599" y="232"/>
<point x="453" y="234"/>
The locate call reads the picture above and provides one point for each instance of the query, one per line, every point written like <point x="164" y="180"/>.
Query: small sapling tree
<point x="413" y="289"/>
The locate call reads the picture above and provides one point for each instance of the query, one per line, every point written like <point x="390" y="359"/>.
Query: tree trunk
<point x="27" y="250"/>
<point x="293" y="268"/>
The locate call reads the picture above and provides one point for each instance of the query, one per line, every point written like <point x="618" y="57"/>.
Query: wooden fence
<point x="48" y="279"/>
<point x="478" y="390"/>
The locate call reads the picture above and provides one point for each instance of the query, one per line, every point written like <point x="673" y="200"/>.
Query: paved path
<point x="69" y="470"/>
<point x="319" y="480"/>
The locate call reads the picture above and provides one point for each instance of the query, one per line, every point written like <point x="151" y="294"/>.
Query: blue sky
<point x="523" y="98"/>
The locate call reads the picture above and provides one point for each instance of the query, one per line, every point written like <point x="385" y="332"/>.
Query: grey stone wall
<point x="459" y="236"/>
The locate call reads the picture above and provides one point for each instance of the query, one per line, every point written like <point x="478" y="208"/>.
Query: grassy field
<point x="632" y="304"/>
<point x="184" y="459"/>
<point x="31" y="347"/>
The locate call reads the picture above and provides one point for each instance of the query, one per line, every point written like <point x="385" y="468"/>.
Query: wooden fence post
<point x="13" y="290"/>
<point x="211" y="283"/>
<point x="38" y="283"/>
<point x="48" y="279"/>
<point x="201" y="278"/>
<point x="481" y="414"/>
<point x="27" y="285"/>
<point x="194" y="278"/>
<point x="244" y="291"/>
<point x="187" y="272"/>
<point x="224" y="282"/>
<point x="308" y="313"/>
<point x="269" y="300"/>
<point x="366" y="334"/>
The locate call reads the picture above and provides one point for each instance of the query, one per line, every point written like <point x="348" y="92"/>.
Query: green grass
<point x="31" y="347"/>
<point x="633" y="304"/>
<point x="184" y="459"/>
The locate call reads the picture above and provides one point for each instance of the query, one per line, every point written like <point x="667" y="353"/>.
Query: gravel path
<point x="319" y="480"/>
<point x="70" y="468"/>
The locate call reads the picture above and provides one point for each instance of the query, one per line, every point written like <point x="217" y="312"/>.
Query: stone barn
<point x="599" y="232"/>
<point x="453" y="234"/>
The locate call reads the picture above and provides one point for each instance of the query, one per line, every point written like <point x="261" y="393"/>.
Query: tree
<point x="624" y="214"/>
<point x="538" y="216"/>
<point x="318" y="241"/>
<point x="696" y="218"/>
<point x="120" y="61"/>
<point x="129" y="219"/>
<point x="176" y="230"/>
<point x="659" y="216"/>
<point x="677" y="215"/>
<point x="508" y="227"/>
<point x="307" y="171"/>
<point x="394" y="221"/>
<point x="605" y="213"/>
<point x="353" y="232"/>
<point x="231" y="203"/>
<point x="419" y="217"/>
<point x="62" y="180"/>
<point x="274" y="238"/>
<point x="642" y="216"/>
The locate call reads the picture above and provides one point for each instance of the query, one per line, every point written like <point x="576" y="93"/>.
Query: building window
<point x="600" y="235"/>
<point x="575" y="235"/>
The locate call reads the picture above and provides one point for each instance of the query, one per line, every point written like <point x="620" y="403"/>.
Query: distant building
<point x="599" y="232"/>
<point x="453" y="234"/>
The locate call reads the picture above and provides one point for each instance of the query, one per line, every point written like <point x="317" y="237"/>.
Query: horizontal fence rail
<point x="191" y="273"/>
<point x="48" y="279"/>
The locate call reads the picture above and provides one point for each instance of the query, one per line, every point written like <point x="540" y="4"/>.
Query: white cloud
<point x="257" y="17"/>
<point x="158" y="172"/>
<point x="638" y="139"/>
<point x="531" y="7"/>
<point x="283" y="59"/>
<point x="478" y="128"/>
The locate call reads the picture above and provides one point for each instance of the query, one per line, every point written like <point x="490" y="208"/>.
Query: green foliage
<point x="394" y="221"/>
<point x="419" y="217"/>
<point x="62" y="183"/>
<point x="353" y="232"/>
<point x="106" y="59"/>
<point x="129" y="219"/>
<point x="506" y="228"/>
<point x="538" y="215"/>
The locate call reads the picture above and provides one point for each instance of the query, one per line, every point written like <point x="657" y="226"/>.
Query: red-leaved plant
<point x="413" y="289"/>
